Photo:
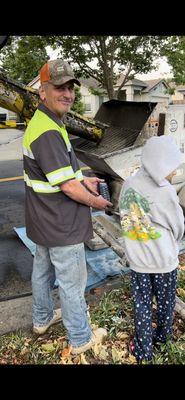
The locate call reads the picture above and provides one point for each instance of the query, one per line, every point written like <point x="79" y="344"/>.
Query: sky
<point x="163" y="71"/>
<point x="53" y="54"/>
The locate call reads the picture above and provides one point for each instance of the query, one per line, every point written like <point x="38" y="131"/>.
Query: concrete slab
<point x="12" y="150"/>
<point x="17" y="314"/>
<point x="8" y="135"/>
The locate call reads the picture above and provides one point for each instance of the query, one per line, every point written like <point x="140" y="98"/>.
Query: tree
<point x="174" y="51"/>
<point x="100" y="57"/>
<point x="131" y="54"/>
<point x="22" y="57"/>
<point x="78" y="106"/>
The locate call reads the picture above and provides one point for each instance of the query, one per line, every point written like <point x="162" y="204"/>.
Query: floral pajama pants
<point x="144" y="286"/>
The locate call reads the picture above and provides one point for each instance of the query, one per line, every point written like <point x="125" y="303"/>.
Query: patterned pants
<point x="144" y="287"/>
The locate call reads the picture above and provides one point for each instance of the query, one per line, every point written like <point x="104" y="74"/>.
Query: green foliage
<point x="23" y="56"/>
<point x="111" y="309"/>
<point x="96" y="92"/>
<point x="131" y="54"/>
<point x="171" y="352"/>
<point x="174" y="51"/>
<point x="78" y="106"/>
<point x="181" y="279"/>
<point x="99" y="57"/>
<point x="181" y="284"/>
<point x="170" y="91"/>
<point x="114" y="311"/>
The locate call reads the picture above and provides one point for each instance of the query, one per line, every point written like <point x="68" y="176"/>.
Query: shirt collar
<point x="50" y="114"/>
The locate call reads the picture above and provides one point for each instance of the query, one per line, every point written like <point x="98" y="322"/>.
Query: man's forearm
<point x="76" y="191"/>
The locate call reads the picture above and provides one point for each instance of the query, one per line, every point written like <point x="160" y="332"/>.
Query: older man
<point x="58" y="220"/>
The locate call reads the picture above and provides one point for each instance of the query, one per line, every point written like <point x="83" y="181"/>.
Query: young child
<point x="153" y="224"/>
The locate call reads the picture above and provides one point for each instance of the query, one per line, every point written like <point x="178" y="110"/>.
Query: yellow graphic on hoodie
<point x="135" y="223"/>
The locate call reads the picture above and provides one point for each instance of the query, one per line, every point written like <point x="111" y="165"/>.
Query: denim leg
<point x="142" y="297"/>
<point x="165" y="292"/>
<point x="43" y="277"/>
<point x="71" y="274"/>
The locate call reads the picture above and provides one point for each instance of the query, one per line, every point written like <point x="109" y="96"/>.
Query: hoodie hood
<point x="160" y="157"/>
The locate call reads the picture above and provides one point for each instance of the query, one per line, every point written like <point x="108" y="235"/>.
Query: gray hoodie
<point x="151" y="217"/>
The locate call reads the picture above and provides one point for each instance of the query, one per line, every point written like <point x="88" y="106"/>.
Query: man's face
<point x="58" y="99"/>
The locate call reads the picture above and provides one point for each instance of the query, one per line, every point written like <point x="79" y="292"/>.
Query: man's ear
<point x="42" y="93"/>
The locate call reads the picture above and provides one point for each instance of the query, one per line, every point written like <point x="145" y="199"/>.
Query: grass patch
<point x="181" y="278"/>
<point x="115" y="313"/>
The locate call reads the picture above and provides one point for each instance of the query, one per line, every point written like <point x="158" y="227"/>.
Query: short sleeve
<point x="52" y="156"/>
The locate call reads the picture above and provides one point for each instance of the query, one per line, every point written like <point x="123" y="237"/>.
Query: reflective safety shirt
<point x="52" y="218"/>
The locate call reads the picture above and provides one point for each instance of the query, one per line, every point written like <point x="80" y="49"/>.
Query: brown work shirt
<point x="52" y="219"/>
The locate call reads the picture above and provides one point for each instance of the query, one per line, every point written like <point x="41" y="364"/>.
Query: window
<point x="87" y="107"/>
<point x="87" y="102"/>
<point x="2" y="117"/>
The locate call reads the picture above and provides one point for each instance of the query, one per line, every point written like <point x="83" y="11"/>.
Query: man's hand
<point x="92" y="184"/>
<point x="76" y="191"/>
<point x="101" y="203"/>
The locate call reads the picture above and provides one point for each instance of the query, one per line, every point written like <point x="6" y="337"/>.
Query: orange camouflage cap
<point x="57" y="72"/>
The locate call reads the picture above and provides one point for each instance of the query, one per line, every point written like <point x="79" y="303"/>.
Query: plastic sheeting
<point x="101" y="264"/>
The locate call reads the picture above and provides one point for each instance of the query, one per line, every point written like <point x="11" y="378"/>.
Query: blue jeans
<point x="68" y="265"/>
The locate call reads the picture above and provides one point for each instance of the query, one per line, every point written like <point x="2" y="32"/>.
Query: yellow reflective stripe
<point x="78" y="175"/>
<point x="68" y="145"/>
<point x="60" y="175"/>
<point x="39" y="124"/>
<point x="40" y="186"/>
<point x="65" y="138"/>
<point x="26" y="179"/>
<point x="28" y="153"/>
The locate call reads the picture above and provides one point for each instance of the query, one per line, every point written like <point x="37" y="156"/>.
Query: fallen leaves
<point x="66" y="352"/>
<point x="182" y="267"/>
<point x="115" y="313"/>
<point x="181" y="292"/>
<point x="48" y="347"/>
<point x="117" y="355"/>
<point x="83" y="359"/>
<point x="132" y="359"/>
<point x="96" y="349"/>
<point x="24" y="351"/>
<point x="122" y="335"/>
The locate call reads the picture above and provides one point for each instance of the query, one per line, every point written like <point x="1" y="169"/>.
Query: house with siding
<point x="174" y="119"/>
<point x="150" y="90"/>
<point x="7" y="115"/>
<point x="179" y="94"/>
<point x="92" y="95"/>
<point x="134" y="90"/>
